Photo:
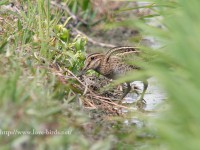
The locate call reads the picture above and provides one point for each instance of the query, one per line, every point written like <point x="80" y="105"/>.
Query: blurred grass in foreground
<point x="178" y="71"/>
<point x="180" y="128"/>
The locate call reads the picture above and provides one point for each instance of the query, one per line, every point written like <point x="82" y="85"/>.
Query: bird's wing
<point x="121" y="51"/>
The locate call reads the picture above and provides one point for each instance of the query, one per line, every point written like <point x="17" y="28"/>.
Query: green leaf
<point x="19" y="25"/>
<point x="3" y="2"/>
<point x="3" y="44"/>
<point x="85" y="4"/>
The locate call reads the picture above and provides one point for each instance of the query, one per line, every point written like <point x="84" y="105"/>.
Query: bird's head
<point x="92" y="62"/>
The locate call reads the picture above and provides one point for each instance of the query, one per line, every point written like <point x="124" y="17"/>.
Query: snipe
<point x="113" y="64"/>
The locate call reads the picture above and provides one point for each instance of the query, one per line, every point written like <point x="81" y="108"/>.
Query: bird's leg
<point x="141" y="103"/>
<point x="126" y="91"/>
<point x="135" y="90"/>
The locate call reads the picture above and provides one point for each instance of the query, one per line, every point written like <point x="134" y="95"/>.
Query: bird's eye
<point x="92" y="58"/>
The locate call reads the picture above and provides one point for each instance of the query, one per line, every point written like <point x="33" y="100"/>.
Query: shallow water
<point x="153" y="96"/>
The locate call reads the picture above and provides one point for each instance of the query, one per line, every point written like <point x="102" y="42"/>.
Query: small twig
<point x="66" y="8"/>
<point x="85" y="91"/>
<point x="79" y="80"/>
<point x="100" y="97"/>
<point x="93" y="41"/>
<point x="74" y="76"/>
<point x="113" y="103"/>
<point x="105" y="99"/>
<point x="92" y="105"/>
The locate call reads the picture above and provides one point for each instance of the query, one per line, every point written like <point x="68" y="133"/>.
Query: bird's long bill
<point x="83" y="71"/>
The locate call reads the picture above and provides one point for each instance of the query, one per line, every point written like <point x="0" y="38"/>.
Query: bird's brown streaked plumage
<point x="112" y="65"/>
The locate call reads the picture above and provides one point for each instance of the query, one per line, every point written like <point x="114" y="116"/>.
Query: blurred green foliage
<point x="82" y="9"/>
<point x="181" y="80"/>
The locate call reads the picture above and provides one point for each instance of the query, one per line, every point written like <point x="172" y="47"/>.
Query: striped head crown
<point x="93" y="61"/>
